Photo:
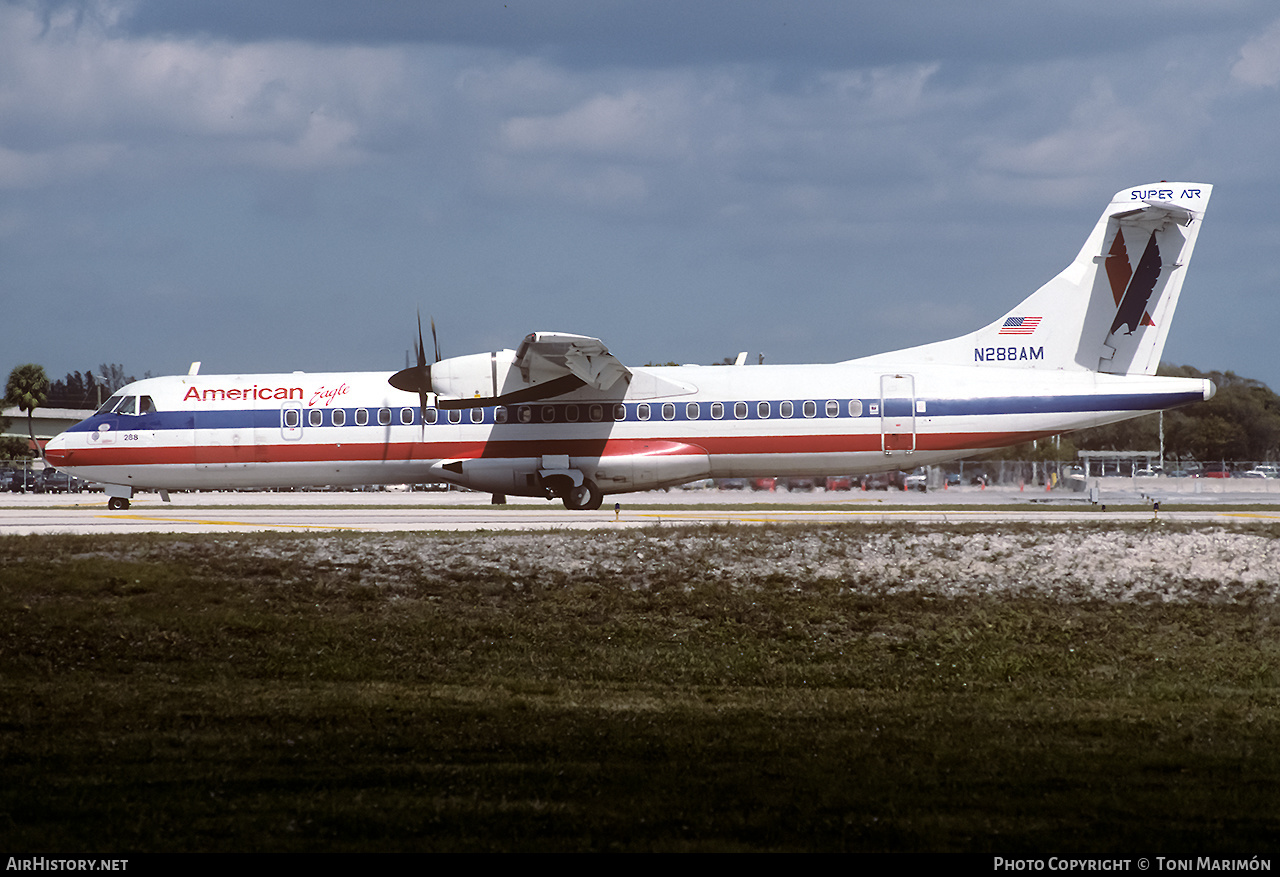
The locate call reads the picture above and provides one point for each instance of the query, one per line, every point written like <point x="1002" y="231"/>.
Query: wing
<point x="546" y="365"/>
<point x="544" y="356"/>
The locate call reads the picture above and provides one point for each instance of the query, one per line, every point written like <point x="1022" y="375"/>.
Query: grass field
<point x="677" y="689"/>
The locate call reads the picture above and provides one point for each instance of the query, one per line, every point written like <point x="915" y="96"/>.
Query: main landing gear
<point x="584" y="498"/>
<point x="117" y="503"/>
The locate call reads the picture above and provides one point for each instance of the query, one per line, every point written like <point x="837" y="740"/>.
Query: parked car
<point x="22" y="481"/>
<point x="839" y="482"/>
<point x="1216" y="470"/>
<point x="53" y="481"/>
<point x="884" y="481"/>
<point x="763" y="483"/>
<point x="917" y="480"/>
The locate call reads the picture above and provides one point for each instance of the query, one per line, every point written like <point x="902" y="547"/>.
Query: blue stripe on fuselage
<point x="270" y="418"/>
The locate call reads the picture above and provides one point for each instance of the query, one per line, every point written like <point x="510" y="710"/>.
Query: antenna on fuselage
<point x="195" y="368"/>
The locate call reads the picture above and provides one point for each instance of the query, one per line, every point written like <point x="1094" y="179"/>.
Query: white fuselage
<point x="299" y="429"/>
<point x="562" y="416"/>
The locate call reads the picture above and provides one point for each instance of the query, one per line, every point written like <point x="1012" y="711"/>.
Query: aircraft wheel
<point x="585" y="498"/>
<point x="117" y="503"/>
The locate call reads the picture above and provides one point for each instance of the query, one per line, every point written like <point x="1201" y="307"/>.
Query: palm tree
<point x="28" y="388"/>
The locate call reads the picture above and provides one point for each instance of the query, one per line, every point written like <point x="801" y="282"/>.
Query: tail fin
<point x="1110" y="309"/>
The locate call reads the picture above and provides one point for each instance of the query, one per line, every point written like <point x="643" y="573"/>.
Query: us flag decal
<point x="1019" y="326"/>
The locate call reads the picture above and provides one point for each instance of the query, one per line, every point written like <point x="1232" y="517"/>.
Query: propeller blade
<point x="421" y="349"/>
<point x="415" y="378"/>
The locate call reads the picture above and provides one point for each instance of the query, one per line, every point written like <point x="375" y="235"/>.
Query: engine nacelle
<point x="477" y="376"/>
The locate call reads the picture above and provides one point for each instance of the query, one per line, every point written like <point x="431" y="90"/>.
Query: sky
<point x="279" y="185"/>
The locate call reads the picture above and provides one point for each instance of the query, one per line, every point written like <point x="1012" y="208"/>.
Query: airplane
<point x="561" y="417"/>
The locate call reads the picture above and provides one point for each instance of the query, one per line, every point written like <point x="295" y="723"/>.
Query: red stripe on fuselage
<point x="297" y="452"/>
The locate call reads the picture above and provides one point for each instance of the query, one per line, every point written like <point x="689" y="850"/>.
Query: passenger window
<point x="668" y="411"/>
<point x="692" y="411"/>
<point x="786" y="409"/>
<point x="384" y="417"/>
<point x="315" y="417"/>
<point x="642" y="411"/>
<point x="833" y="408"/>
<point x="596" y="413"/>
<point x="406" y="416"/>
<point x="339" y="417"/>
<point x="477" y="415"/>
<point x="455" y="415"/>
<point x="717" y="410"/>
<point x="855" y="407"/>
<point x="432" y="415"/>
<point x="500" y="414"/>
<point x="619" y="411"/>
<point x="571" y="413"/>
<point x="362" y="417"/>
<point x="292" y="417"/>
<point x="762" y="410"/>
<point x="525" y="414"/>
<point x="740" y="410"/>
<point x="548" y="414"/>
<point x="810" y="408"/>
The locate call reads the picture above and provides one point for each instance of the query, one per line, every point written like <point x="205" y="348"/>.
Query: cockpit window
<point x="128" y="406"/>
<point x="145" y="405"/>
<point x="109" y="405"/>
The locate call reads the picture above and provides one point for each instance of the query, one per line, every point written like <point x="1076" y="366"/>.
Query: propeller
<point x="417" y="378"/>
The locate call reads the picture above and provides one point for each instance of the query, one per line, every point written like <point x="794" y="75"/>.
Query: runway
<point x="410" y="512"/>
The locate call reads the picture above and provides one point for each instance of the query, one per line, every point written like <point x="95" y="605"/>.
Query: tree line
<point x="88" y="389"/>
<point x="1241" y="422"/>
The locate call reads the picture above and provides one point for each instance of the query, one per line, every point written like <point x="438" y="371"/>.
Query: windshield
<point x="109" y="405"/>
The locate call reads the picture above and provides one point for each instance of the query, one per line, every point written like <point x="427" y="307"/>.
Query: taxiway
<point x="438" y="511"/>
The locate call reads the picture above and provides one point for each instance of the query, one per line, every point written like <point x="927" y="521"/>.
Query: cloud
<point x="1098" y="131"/>
<point x="635" y="123"/>
<point x="1259" y="61"/>
<point x="73" y="87"/>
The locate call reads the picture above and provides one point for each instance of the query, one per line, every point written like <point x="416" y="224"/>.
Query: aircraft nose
<point x="1209" y="389"/>
<point x="56" y="452"/>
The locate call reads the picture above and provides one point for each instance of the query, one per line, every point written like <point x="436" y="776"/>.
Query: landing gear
<point x="586" y="497"/>
<point x="117" y="503"/>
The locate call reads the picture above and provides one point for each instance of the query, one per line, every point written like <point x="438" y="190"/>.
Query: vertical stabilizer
<point x="1110" y="309"/>
<point x="1148" y="247"/>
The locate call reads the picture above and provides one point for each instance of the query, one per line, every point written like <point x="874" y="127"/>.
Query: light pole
<point x="100" y="380"/>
